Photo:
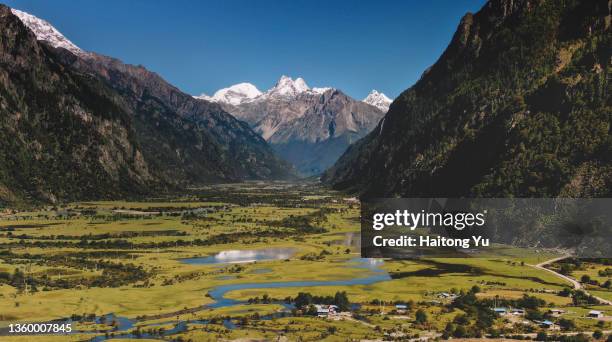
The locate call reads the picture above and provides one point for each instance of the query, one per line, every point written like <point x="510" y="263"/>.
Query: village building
<point x="556" y="312"/>
<point x="517" y="312"/>
<point x="325" y="310"/>
<point x="401" y="308"/>
<point x="446" y="295"/>
<point x="595" y="314"/>
<point x="500" y="311"/>
<point x="546" y="324"/>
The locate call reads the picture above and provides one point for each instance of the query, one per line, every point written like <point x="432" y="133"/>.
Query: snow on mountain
<point x="321" y="90"/>
<point x="287" y="87"/>
<point x="234" y="95"/>
<point x="309" y="127"/>
<point x="378" y="100"/>
<point x="46" y="32"/>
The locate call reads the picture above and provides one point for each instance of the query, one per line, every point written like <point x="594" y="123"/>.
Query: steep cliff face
<point x="517" y="105"/>
<point x="73" y="129"/>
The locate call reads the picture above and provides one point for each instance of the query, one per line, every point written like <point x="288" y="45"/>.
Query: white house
<point x="401" y="308"/>
<point x="595" y="314"/>
<point x="325" y="310"/>
<point x="500" y="311"/>
<point x="517" y="312"/>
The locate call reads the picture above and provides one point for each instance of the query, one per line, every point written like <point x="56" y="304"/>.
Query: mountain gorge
<point x="309" y="127"/>
<point x="78" y="125"/>
<point x="518" y="105"/>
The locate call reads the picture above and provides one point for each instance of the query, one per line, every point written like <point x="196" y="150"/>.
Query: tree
<point x="597" y="334"/>
<point x="607" y="284"/>
<point x="566" y="269"/>
<point x="530" y="302"/>
<point x="421" y="316"/>
<point x="475" y="289"/>
<point x="459" y="331"/>
<point x="567" y="324"/>
<point x="585" y="278"/>
<point x="341" y="300"/>
<point x="534" y="315"/>
<point x="461" y="319"/>
<point x="303" y="299"/>
<point x="312" y="310"/>
<point x="541" y="336"/>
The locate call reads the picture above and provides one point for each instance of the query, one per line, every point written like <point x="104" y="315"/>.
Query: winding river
<point x="218" y="294"/>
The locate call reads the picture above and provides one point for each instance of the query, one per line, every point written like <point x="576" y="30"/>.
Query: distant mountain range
<point x="310" y="127"/>
<point x="517" y="106"/>
<point x="78" y="125"/>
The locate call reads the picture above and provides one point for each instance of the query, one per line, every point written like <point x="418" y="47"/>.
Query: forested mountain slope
<point x="517" y="105"/>
<point x="71" y="133"/>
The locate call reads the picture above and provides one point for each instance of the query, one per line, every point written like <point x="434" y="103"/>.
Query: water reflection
<point x="350" y="239"/>
<point x="242" y="256"/>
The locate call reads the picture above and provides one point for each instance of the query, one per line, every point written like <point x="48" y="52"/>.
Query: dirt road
<point x="577" y="285"/>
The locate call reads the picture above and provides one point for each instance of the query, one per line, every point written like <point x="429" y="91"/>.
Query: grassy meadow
<point x="82" y="261"/>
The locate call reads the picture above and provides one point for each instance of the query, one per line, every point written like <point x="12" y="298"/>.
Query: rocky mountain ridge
<point x="309" y="127"/>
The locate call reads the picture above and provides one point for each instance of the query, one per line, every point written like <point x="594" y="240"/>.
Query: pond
<point x="242" y="256"/>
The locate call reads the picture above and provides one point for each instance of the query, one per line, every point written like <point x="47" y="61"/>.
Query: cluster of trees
<point x="94" y="237"/>
<point x="306" y="300"/>
<point x="287" y="195"/>
<point x="113" y="274"/>
<point x="303" y="224"/>
<point x="478" y="317"/>
<point x="604" y="273"/>
<point x="223" y="238"/>
<point x="569" y="265"/>
<point x="307" y="224"/>
<point x="607" y="272"/>
<point x="265" y="299"/>
<point x="597" y="335"/>
<point x="578" y="296"/>
<point x="314" y="257"/>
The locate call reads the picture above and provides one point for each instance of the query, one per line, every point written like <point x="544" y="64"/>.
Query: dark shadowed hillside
<point x="517" y="105"/>
<point x="78" y="130"/>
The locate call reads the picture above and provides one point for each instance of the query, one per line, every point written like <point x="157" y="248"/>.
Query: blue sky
<point x="201" y="46"/>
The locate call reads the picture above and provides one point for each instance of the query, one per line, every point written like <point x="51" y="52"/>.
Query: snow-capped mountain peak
<point x="378" y="100"/>
<point x="234" y="95"/>
<point x="321" y="90"/>
<point x="46" y="32"/>
<point x="287" y="87"/>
